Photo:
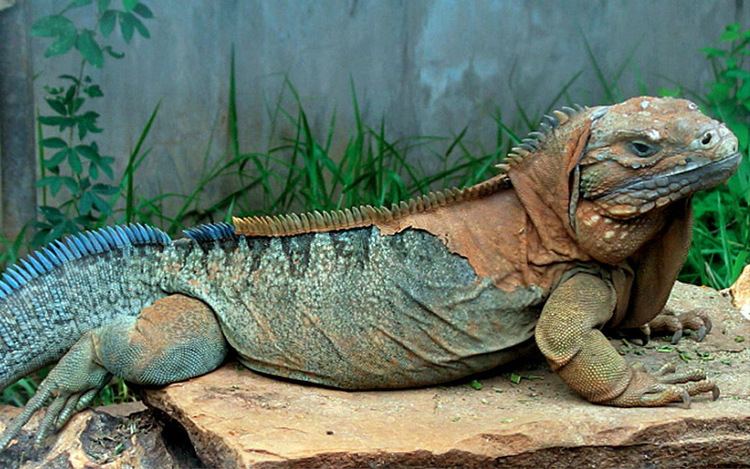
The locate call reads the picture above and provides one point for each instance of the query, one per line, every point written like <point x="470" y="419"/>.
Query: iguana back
<point x="354" y="308"/>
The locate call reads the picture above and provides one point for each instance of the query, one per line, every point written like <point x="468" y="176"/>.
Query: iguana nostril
<point x="707" y="138"/>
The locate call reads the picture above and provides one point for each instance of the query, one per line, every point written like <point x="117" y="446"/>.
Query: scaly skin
<point x="586" y="230"/>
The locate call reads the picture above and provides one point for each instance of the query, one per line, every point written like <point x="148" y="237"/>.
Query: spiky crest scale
<point x="534" y="140"/>
<point x="75" y="247"/>
<point x="210" y="232"/>
<point x="364" y="215"/>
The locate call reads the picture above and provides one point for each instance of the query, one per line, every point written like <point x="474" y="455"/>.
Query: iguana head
<point x="623" y="166"/>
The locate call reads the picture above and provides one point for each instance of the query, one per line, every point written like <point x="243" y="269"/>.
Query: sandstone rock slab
<point x="522" y="416"/>
<point x="740" y="293"/>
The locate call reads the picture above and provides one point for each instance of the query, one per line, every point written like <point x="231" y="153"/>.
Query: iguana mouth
<point x="679" y="182"/>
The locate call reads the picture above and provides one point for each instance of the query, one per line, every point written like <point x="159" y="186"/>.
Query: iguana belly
<point x="357" y="310"/>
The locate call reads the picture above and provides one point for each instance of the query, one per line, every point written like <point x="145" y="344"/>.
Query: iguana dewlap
<point x="586" y="228"/>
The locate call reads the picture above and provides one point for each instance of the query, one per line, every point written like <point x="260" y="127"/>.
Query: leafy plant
<point x="76" y="179"/>
<point x="76" y="174"/>
<point x="721" y="235"/>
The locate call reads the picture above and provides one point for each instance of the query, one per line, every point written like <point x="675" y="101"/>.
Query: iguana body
<point x="587" y="228"/>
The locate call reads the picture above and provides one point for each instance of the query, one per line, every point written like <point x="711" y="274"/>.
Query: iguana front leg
<point x="174" y="339"/>
<point x="567" y="334"/>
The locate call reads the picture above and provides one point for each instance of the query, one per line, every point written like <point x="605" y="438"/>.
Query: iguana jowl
<point x="585" y="229"/>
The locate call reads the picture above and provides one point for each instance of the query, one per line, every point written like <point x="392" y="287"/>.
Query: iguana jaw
<point x="642" y="194"/>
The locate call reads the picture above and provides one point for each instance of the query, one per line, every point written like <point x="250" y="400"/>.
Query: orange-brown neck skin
<point x="499" y="240"/>
<point x="612" y="240"/>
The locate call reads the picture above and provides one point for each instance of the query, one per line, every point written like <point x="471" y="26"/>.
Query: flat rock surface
<point x="740" y="293"/>
<point x="237" y="418"/>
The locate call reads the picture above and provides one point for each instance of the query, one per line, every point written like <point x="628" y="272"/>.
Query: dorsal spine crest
<point x="210" y="232"/>
<point x="77" y="246"/>
<point x="535" y="139"/>
<point x="363" y="215"/>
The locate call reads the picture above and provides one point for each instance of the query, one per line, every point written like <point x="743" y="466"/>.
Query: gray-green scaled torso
<point x="354" y="309"/>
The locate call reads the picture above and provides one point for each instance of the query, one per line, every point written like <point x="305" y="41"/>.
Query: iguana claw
<point x="663" y="387"/>
<point x="71" y="384"/>
<point x="696" y="320"/>
<point x="685" y="399"/>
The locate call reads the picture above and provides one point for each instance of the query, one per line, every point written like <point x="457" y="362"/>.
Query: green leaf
<point x="76" y="105"/>
<point x="142" y="29"/>
<point x="62" y="45"/>
<point x="80" y="3"/>
<point x="93" y="91"/>
<point x="731" y="33"/>
<point x="143" y="11"/>
<point x="713" y="52"/>
<point x="87" y="123"/>
<point x="102" y="205"/>
<point x="75" y="163"/>
<point x="515" y="378"/>
<point x="54" y="183"/>
<point x="105" y="164"/>
<point x="89" y="48"/>
<point x="86" y="203"/>
<point x="93" y="171"/>
<point x="88" y="152"/>
<point x="743" y="95"/>
<point x="475" y="384"/>
<point x="69" y="94"/>
<point x="62" y="122"/>
<point x="107" y="22"/>
<point x="105" y="189"/>
<point x="57" y="106"/>
<point x="128" y="5"/>
<point x="54" y="142"/>
<point x="670" y="92"/>
<point x="56" y="159"/>
<point x="128" y="23"/>
<point x="53" y="25"/>
<point x="102" y="5"/>
<point x="126" y="26"/>
<point x="52" y="214"/>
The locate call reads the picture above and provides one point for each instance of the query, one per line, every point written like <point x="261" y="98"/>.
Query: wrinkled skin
<point x="629" y="209"/>
<point x="592" y="232"/>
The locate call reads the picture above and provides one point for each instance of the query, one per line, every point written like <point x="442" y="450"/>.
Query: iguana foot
<point x="663" y="387"/>
<point x="174" y="339"/>
<point x="72" y="385"/>
<point x="669" y="322"/>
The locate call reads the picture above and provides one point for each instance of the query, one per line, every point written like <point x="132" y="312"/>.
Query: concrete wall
<point x="427" y="67"/>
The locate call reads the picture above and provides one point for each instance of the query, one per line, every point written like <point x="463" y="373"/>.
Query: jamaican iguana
<point x="585" y="229"/>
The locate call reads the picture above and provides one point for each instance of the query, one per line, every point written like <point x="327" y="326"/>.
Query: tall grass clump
<point x="721" y="236"/>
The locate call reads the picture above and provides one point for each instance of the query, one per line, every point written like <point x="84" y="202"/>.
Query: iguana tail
<point x="52" y="297"/>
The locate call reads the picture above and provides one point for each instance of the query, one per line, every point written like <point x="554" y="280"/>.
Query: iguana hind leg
<point x="174" y="339"/>
<point x="567" y="334"/>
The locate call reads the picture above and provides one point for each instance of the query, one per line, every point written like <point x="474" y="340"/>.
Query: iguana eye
<point x="642" y="149"/>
